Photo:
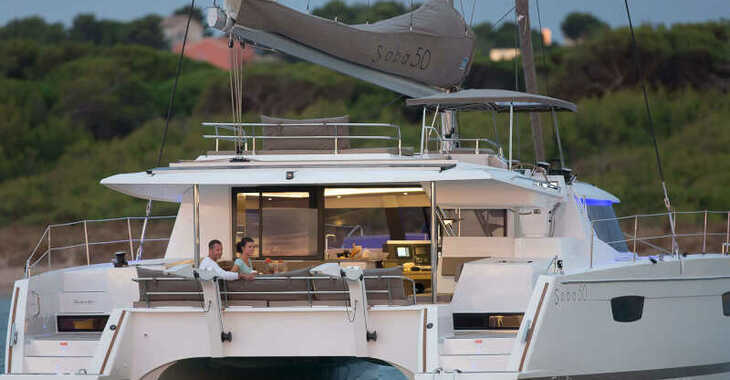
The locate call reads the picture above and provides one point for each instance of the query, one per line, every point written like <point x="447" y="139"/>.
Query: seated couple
<point x="241" y="268"/>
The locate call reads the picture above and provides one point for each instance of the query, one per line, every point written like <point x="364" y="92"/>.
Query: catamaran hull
<point x="569" y="331"/>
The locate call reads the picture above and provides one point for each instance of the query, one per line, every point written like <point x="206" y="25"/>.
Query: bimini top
<point x="497" y="100"/>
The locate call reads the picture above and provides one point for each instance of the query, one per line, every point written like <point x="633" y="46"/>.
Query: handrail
<point x="476" y="142"/>
<point x="646" y="240"/>
<point x="243" y="137"/>
<point x="442" y="218"/>
<point x="32" y="261"/>
<point x="427" y="130"/>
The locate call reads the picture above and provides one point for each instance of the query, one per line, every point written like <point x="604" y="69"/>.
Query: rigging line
<point x="517" y="86"/>
<point x="461" y="2"/>
<point x="473" y="8"/>
<point x="411" y="11"/>
<point x="230" y="77"/>
<point x="174" y="86"/>
<point x="514" y="60"/>
<point x="233" y="81"/>
<point x="393" y="101"/>
<point x="494" y="27"/>
<point x="238" y="53"/>
<point x="367" y="14"/>
<point x="547" y="84"/>
<point x="499" y="20"/>
<point x="148" y="209"/>
<point x="494" y="124"/>
<point x="243" y="83"/>
<point x="557" y="137"/>
<point x="667" y="203"/>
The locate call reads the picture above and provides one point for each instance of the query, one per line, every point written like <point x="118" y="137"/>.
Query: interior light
<point x="287" y="194"/>
<point x="331" y="192"/>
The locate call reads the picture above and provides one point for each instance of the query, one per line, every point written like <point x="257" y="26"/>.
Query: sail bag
<point x="432" y="44"/>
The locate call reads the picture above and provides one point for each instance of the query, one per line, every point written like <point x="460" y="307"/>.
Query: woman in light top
<point x="244" y="250"/>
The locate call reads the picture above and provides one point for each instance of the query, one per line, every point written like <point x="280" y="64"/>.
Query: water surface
<point x="4" y="313"/>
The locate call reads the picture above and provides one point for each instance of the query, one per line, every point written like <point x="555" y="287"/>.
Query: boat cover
<point x="306" y="144"/>
<point x="432" y="44"/>
<point x="498" y="100"/>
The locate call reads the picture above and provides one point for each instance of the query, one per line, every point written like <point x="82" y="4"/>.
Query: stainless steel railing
<point x="652" y="241"/>
<point x="245" y="133"/>
<point x="86" y="243"/>
<point x="427" y="131"/>
<point x="310" y="291"/>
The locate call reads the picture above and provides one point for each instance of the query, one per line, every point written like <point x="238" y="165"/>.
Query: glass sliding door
<point x="247" y="218"/>
<point x="371" y="216"/>
<point x="289" y="221"/>
<point x="283" y="223"/>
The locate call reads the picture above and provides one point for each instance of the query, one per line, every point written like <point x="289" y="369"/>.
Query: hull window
<point x="81" y="323"/>
<point x="726" y="304"/>
<point x="487" y="321"/>
<point x="627" y="308"/>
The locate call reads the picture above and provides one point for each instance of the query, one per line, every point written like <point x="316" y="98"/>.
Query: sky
<point x="552" y="11"/>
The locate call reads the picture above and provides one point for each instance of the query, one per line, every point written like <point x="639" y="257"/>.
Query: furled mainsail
<point x="432" y="44"/>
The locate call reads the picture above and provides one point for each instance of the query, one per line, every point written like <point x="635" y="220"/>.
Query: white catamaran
<point x="439" y="262"/>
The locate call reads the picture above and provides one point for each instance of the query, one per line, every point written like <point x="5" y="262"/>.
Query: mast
<point x="522" y="7"/>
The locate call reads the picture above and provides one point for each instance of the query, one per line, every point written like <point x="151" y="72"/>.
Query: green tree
<point x="18" y="58"/>
<point x="578" y="26"/>
<point x="86" y="28"/>
<point x="109" y="100"/>
<point x="33" y="28"/>
<point x="360" y="13"/>
<point x="146" y="31"/>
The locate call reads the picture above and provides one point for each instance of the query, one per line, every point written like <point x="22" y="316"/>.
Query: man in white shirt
<point x="215" y="251"/>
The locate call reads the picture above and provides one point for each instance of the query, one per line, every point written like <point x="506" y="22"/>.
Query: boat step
<point x="63" y="345"/>
<point x="56" y="364"/>
<point x="474" y="363"/>
<point x="478" y="344"/>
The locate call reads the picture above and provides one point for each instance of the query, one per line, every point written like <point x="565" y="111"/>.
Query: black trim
<point x="487" y="321"/>
<point x="664" y="373"/>
<point x="92" y="323"/>
<point x="726" y="304"/>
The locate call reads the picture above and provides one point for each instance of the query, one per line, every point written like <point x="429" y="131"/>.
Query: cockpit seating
<point x="296" y="287"/>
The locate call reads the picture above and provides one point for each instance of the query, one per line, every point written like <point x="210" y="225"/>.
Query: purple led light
<point x="595" y="202"/>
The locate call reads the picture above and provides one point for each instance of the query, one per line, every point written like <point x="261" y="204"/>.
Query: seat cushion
<point x="188" y="289"/>
<point x="306" y="144"/>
